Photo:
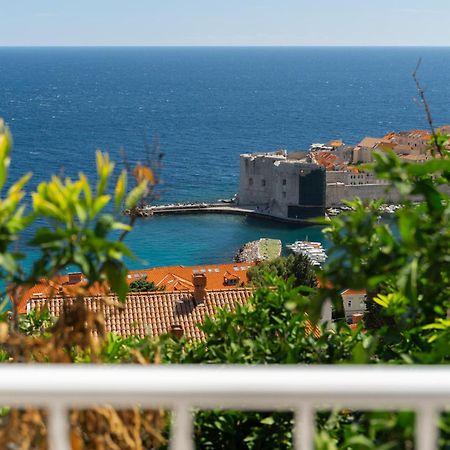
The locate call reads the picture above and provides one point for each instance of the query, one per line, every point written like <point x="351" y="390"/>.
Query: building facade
<point x="354" y="302"/>
<point x="282" y="187"/>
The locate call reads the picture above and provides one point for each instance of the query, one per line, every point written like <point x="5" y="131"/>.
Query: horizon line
<point x="221" y="46"/>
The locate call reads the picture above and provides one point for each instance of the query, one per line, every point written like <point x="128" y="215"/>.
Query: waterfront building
<point x="292" y="187"/>
<point x="282" y="185"/>
<point x="403" y="143"/>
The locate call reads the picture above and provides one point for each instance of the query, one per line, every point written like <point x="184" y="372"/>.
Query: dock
<point x="212" y="208"/>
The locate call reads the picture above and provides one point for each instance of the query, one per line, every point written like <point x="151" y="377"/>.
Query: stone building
<point x="348" y="184"/>
<point x="281" y="185"/>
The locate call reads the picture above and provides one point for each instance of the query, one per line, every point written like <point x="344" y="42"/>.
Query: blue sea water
<point x="207" y="105"/>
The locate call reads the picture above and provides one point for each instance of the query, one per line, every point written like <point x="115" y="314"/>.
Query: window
<point x="263" y="183"/>
<point x="284" y="194"/>
<point x="231" y="281"/>
<point x="284" y="182"/>
<point x="349" y="303"/>
<point x="250" y="181"/>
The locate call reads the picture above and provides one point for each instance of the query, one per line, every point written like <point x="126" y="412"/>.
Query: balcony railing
<point x="182" y="389"/>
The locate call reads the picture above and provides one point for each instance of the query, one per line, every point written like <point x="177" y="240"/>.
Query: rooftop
<point x="153" y="313"/>
<point x="156" y="313"/>
<point x="370" y="142"/>
<point x="172" y="278"/>
<point x="354" y="292"/>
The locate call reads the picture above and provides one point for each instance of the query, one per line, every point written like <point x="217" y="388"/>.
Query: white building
<point x="354" y="302"/>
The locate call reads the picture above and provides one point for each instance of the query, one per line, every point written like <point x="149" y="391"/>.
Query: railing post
<point x="304" y="427"/>
<point x="58" y="427"/>
<point x="426" y="428"/>
<point x="182" y="436"/>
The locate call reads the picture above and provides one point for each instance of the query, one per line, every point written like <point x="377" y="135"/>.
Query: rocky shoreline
<point x="257" y="251"/>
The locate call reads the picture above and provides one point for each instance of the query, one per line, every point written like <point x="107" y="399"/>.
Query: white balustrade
<point x="183" y="389"/>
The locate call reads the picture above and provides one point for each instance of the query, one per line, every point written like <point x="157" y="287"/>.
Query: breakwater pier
<point x="211" y="208"/>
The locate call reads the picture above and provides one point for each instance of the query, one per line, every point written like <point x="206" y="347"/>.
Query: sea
<point x="206" y="105"/>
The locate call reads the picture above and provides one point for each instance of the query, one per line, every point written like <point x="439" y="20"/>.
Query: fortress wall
<point x="337" y="192"/>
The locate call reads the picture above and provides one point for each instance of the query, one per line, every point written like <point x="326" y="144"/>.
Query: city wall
<point x="336" y="192"/>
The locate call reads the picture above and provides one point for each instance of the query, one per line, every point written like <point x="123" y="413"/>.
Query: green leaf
<point x="135" y="195"/>
<point x="117" y="274"/>
<point x="268" y="420"/>
<point x="5" y="148"/>
<point x="121" y="188"/>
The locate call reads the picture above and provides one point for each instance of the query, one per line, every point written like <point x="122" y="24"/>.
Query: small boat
<point x="313" y="250"/>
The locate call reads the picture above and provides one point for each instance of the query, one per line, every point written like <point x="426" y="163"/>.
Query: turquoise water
<point x="206" y="238"/>
<point x="207" y="105"/>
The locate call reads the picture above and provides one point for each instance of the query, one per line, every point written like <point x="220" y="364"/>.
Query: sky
<point x="224" y="22"/>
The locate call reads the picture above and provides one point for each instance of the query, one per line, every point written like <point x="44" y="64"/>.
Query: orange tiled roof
<point x="326" y="159"/>
<point x="156" y="313"/>
<point x="335" y="143"/>
<point x="180" y="277"/>
<point x="421" y="134"/>
<point x="173" y="278"/>
<point x="354" y="292"/>
<point x="389" y="136"/>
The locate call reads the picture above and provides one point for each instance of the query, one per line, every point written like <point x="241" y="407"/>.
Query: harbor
<point x="214" y="208"/>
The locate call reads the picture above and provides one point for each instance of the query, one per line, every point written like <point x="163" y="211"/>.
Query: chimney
<point x="75" y="277"/>
<point x="199" y="281"/>
<point x="176" y="330"/>
<point x="357" y="317"/>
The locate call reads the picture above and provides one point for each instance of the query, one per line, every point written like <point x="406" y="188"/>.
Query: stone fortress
<point x="302" y="185"/>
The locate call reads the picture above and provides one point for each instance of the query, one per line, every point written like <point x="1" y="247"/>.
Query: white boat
<point x="313" y="250"/>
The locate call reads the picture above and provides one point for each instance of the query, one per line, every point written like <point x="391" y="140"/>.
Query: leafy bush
<point x="143" y="285"/>
<point x="298" y="267"/>
<point x="74" y="224"/>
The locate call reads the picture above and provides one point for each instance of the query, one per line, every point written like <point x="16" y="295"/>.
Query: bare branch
<point x="426" y="107"/>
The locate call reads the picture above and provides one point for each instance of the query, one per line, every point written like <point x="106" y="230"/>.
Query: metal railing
<point x="58" y="388"/>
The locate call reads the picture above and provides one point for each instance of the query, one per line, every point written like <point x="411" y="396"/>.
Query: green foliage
<point x="36" y="322"/>
<point x="236" y="430"/>
<point x="76" y="225"/>
<point x="298" y="267"/>
<point x="342" y="430"/>
<point x="143" y="285"/>
<point x="272" y="328"/>
<point x="402" y="261"/>
<point x="13" y="219"/>
<point x="77" y="232"/>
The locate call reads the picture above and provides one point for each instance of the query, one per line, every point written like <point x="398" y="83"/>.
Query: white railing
<point x="425" y="390"/>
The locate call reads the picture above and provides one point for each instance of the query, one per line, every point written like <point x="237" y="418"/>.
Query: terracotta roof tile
<point x="174" y="279"/>
<point x="354" y="292"/>
<point x="156" y="313"/>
